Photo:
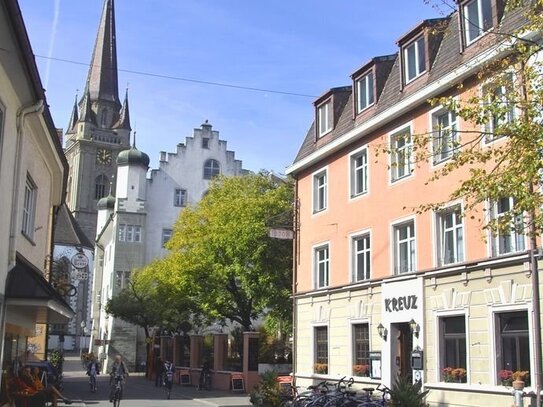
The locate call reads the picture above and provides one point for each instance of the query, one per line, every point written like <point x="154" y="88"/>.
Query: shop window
<point x="361" y="350"/>
<point x="512" y="345"/>
<point x="404" y="247"/>
<point x="445" y="136"/>
<point x="361" y="257"/>
<point x="321" y="350"/>
<point x="453" y="348"/>
<point x="512" y="238"/>
<point x="400" y="145"/>
<point x="320" y="191"/>
<point x="359" y="173"/>
<point x="450" y="235"/>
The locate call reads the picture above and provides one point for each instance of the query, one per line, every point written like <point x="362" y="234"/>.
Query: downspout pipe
<point x="22" y="113"/>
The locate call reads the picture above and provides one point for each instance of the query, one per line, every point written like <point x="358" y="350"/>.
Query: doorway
<point x="403" y="347"/>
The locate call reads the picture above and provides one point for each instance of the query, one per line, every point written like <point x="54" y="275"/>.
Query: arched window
<point x="101" y="184"/>
<point x="211" y="168"/>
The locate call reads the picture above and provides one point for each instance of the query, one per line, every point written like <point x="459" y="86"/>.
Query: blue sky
<point x="301" y="46"/>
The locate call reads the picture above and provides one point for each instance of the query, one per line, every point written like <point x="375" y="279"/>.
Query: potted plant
<point x="361" y="370"/>
<point x="454" y="374"/>
<point x="267" y="392"/>
<point x="506" y="377"/>
<point x="519" y="379"/>
<point x="320" y="368"/>
<point x="405" y="393"/>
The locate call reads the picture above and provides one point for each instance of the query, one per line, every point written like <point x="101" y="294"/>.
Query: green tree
<point x="221" y="255"/>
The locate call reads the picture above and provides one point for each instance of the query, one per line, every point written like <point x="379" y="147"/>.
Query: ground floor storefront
<point x="465" y="333"/>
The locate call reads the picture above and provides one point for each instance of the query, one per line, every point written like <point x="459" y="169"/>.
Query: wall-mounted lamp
<point x="382" y="331"/>
<point x="415" y="328"/>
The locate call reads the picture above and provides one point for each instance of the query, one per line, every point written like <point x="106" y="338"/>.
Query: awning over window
<point x="30" y="296"/>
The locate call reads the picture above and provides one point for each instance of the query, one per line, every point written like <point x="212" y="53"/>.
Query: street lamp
<point x="382" y="331"/>
<point x="415" y="328"/>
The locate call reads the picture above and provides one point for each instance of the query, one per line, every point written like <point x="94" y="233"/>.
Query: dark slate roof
<point x="102" y="79"/>
<point x="67" y="231"/>
<point x="448" y="55"/>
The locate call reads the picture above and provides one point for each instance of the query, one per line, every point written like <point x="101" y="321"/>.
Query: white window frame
<point x="457" y="230"/>
<point x="439" y="358"/>
<point x="411" y="241"/>
<point x="445" y="139"/>
<point x="402" y="153"/>
<point x="320" y="190"/>
<point x="212" y="168"/>
<point x="314" y="344"/>
<point x="419" y="52"/>
<point x="360" y="321"/>
<point x="355" y="171"/>
<point x="501" y="96"/>
<point x="365" y="92"/>
<point x="166" y="235"/>
<point x="30" y="199"/>
<point x="517" y="240"/>
<point x="366" y="250"/>
<point x="122" y="232"/>
<point x="179" y="197"/>
<point x="324" y="118"/>
<point x="494" y="336"/>
<point x="479" y="25"/>
<point x="325" y="262"/>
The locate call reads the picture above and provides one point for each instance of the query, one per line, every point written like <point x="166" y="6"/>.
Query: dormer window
<point x="414" y="59"/>
<point x="364" y="92"/>
<point x="325" y="118"/>
<point x="477" y="19"/>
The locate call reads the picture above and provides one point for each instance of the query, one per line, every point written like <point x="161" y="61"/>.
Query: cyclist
<point x="93" y="369"/>
<point x="118" y="371"/>
<point x="169" y="370"/>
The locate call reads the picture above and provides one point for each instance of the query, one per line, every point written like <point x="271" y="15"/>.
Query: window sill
<point x="321" y="135"/>
<point x="27" y="237"/>
<point x="364" y="109"/>
<point x="475" y="388"/>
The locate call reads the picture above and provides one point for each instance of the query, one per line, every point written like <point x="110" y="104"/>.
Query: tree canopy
<point x="221" y="257"/>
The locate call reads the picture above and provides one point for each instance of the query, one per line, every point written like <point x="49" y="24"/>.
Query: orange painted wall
<point x="376" y="211"/>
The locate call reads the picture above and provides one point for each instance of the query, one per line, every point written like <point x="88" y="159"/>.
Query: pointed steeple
<point x="87" y="115"/>
<point x="102" y="79"/>
<point x="124" y="115"/>
<point x="73" y="118"/>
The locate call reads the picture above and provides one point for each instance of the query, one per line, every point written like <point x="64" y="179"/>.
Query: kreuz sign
<point x="406" y="302"/>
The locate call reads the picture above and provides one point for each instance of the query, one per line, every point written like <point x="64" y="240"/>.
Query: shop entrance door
<point x="404" y="348"/>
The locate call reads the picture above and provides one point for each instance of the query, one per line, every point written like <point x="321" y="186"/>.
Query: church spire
<point x="73" y="118"/>
<point x="124" y="115"/>
<point x="87" y="115"/>
<point x="102" y="81"/>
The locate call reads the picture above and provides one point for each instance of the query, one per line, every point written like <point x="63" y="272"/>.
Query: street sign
<point x="283" y="234"/>
<point x="80" y="261"/>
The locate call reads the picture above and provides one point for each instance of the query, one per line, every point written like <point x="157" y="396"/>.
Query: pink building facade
<point x="381" y="290"/>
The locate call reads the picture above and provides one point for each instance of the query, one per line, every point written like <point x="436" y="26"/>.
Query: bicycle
<point x="117" y="390"/>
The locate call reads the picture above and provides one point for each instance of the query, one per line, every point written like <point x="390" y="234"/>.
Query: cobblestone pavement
<point x="140" y="392"/>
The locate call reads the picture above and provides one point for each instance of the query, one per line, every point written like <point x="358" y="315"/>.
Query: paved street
<point x="140" y="392"/>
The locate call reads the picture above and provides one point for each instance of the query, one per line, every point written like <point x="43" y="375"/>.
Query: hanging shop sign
<point x="80" y="261"/>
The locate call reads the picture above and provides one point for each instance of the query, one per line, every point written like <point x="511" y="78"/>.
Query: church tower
<point x="98" y="130"/>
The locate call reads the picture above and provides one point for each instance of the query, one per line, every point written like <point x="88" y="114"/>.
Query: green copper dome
<point x="133" y="156"/>
<point x="107" y="202"/>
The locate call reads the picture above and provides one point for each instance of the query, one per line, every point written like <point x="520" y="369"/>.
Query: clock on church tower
<point x="103" y="156"/>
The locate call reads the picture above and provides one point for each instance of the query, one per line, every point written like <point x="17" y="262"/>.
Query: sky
<point x="170" y="52"/>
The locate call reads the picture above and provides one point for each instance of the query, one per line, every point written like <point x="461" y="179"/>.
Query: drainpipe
<point x="295" y="248"/>
<point x="21" y="115"/>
